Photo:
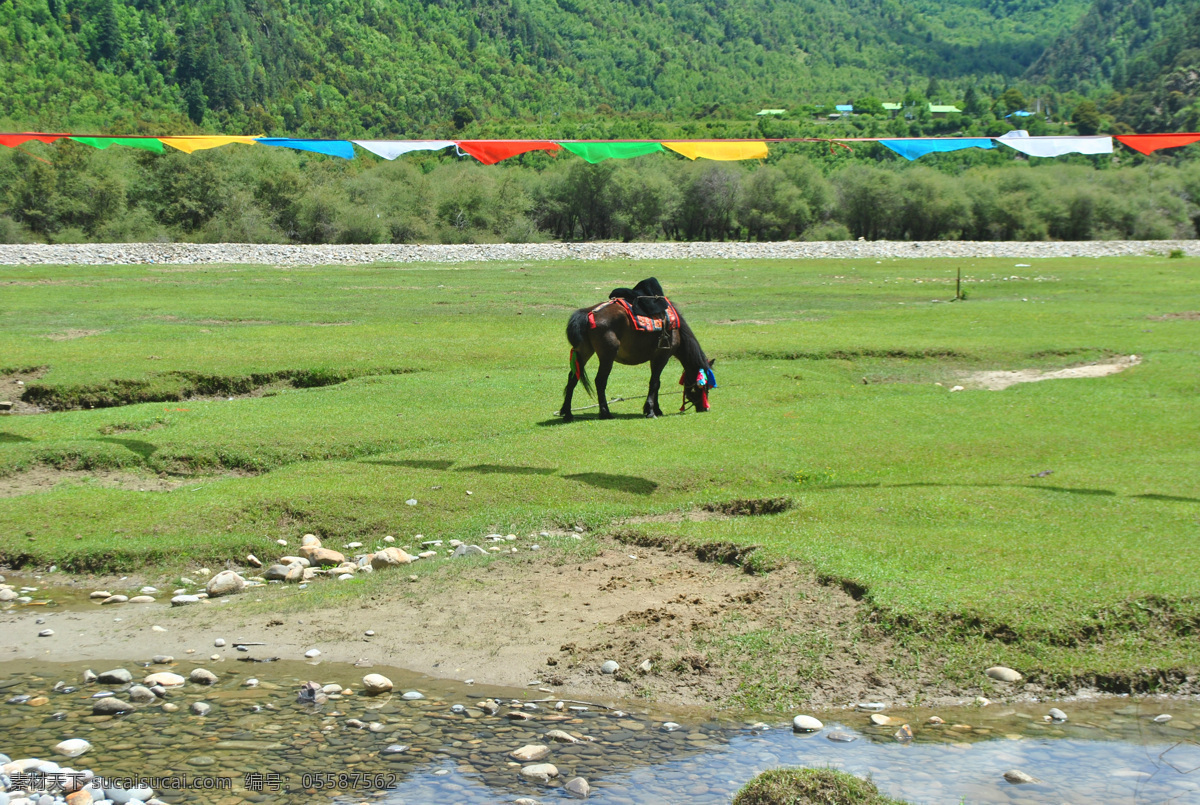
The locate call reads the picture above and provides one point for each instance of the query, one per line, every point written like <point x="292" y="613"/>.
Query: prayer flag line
<point x="489" y="152"/>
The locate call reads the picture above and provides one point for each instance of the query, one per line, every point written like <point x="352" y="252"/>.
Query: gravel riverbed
<point x="259" y="254"/>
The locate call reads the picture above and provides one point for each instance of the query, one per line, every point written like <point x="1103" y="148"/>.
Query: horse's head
<point x="697" y="385"/>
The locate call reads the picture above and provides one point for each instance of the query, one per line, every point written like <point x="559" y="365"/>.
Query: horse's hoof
<point x="566" y="417"/>
<point x="606" y="415"/>
<point x="651" y="415"/>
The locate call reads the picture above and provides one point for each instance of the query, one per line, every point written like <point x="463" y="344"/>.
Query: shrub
<point x="810" y="787"/>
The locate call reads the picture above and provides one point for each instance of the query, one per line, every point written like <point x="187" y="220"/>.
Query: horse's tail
<point x="577" y="327"/>
<point x="579" y="372"/>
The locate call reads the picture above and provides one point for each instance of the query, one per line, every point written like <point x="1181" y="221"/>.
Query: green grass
<point x="810" y="787"/>
<point x="918" y="500"/>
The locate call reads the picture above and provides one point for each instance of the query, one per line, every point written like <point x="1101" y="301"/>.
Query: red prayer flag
<point x="1149" y="143"/>
<point x="13" y="140"/>
<point x="489" y="152"/>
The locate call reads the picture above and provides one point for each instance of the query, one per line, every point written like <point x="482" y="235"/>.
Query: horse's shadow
<point x="557" y="420"/>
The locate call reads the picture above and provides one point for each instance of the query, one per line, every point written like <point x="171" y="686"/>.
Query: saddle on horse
<point x="648" y="309"/>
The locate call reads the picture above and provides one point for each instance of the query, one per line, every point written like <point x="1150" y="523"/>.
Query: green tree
<point x="1086" y="118"/>
<point x="973" y="105"/>
<point x="195" y="104"/>
<point x="109" y="40"/>
<point x="1013" y="99"/>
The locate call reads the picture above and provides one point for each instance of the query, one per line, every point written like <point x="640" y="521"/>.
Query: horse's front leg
<point x="601" y="385"/>
<point x="657" y="364"/>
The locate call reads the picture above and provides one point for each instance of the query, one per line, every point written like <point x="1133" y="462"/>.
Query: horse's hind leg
<point x="657" y="364"/>
<point x="602" y="384"/>
<point x="572" y="381"/>
<point x="568" y="392"/>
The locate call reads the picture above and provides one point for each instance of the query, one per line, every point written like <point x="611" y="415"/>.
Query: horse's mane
<point x="690" y="353"/>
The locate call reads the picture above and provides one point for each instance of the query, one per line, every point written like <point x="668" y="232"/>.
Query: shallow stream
<point x="1109" y="751"/>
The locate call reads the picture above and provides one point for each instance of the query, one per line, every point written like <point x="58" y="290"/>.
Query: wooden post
<point x="958" y="286"/>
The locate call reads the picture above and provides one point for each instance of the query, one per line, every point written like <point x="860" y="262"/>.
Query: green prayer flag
<point x="598" y="152"/>
<point x="145" y="143"/>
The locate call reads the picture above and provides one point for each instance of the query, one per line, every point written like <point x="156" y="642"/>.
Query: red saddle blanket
<point x="645" y="323"/>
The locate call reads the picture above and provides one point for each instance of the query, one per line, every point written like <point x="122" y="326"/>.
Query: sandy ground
<point x="704" y="628"/>
<point x="998" y="381"/>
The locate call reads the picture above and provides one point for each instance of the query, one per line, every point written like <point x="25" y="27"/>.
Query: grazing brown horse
<point x="613" y="339"/>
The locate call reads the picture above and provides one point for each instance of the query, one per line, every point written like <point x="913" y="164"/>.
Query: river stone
<point x="310" y="539"/>
<point x="376" y="683"/>
<point x="72" y="747"/>
<point x="120" y="796"/>
<point x="276" y="572"/>
<point x="89" y="676"/>
<point x="292" y="560"/>
<point x="115" y="599"/>
<point x="164" y="678"/>
<point x="467" y="550"/>
<point x="610" y="667"/>
<point x="394" y="749"/>
<point x="1057" y="715"/>
<point x="806" y="724"/>
<point x="1163" y="719"/>
<point x="140" y="694"/>
<point x="184" y="600"/>
<point x="841" y="737"/>
<point x="412" y="695"/>
<point x="1017" y="777"/>
<point x="880" y="720"/>
<point x="99" y="594"/>
<point x="117" y="676"/>
<point x="110" y="705"/>
<point x="578" y="788"/>
<point x="201" y="708"/>
<point x="541" y="772"/>
<point x="312" y="653"/>
<point x="322" y="557"/>
<point x="142" y="599"/>
<point x="530" y="753"/>
<point x="46" y="633"/>
<point x="295" y="573"/>
<point x="561" y="737"/>
<point x="226" y="582"/>
<point x="1002" y="674"/>
<point x="203" y="676"/>
<point x="391" y="557"/>
<point x="871" y="707"/>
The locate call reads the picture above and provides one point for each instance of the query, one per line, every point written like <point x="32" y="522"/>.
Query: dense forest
<point x="415" y="67"/>
<point x="571" y="69"/>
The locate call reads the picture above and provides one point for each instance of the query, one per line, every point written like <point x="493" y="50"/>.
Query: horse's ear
<point x="712" y="362"/>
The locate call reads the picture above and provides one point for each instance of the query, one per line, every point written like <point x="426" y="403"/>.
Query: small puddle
<point x="272" y="748"/>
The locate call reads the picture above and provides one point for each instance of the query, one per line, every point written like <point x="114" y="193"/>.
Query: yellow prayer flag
<point x="190" y="144"/>
<point x="725" y="151"/>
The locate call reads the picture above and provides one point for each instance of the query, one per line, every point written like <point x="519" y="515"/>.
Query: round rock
<point x="1017" y="777"/>
<point x="412" y="695"/>
<point x="118" y="676"/>
<point x="225" y="583"/>
<point x="806" y="724"/>
<point x="72" y="747"/>
<point x="578" y="788"/>
<point x="203" y="676"/>
<point x="541" y="772"/>
<point x="164" y="678"/>
<point x="376" y="683"/>
<point x="610" y="667"/>
<point x="1002" y="674"/>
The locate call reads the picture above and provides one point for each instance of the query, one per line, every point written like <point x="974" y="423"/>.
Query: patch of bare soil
<point x="71" y="335"/>
<point x="998" y="381"/>
<point x="713" y="634"/>
<point x="46" y="479"/>
<point x="1187" y="315"/>
<point x="12" y="387"/>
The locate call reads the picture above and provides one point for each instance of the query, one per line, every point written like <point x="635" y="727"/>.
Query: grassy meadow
<point x="322" y="399"/>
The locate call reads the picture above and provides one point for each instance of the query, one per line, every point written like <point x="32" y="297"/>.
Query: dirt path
<point x="712" y="633"/>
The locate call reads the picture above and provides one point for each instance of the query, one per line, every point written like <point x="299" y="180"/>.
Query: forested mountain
<point x="1146" y="51"/>
<point x="407" y="67"/>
